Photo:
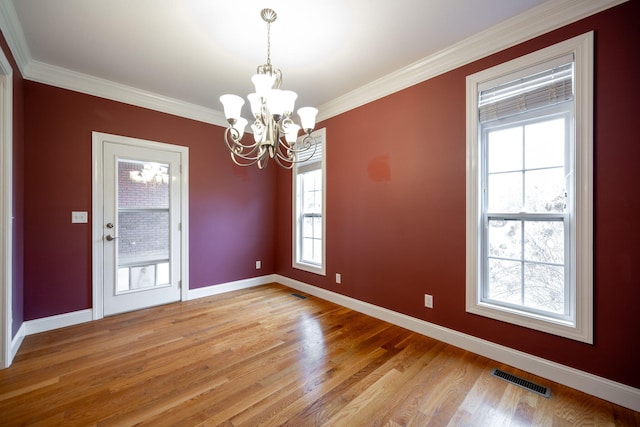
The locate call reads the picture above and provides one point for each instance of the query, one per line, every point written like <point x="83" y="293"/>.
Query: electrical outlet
<point x="258" y="265"/>
<point x="428" y="301"/>
<point x="338" y="278"/>
<point x="79" y="217"/>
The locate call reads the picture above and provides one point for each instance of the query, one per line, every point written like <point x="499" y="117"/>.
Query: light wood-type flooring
<point x="262" y="356"/>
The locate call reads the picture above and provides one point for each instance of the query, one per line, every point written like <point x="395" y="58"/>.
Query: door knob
<point x="111" y="237"/>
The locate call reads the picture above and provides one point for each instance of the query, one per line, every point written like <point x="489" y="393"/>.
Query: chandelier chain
<point x="269" y="43"/>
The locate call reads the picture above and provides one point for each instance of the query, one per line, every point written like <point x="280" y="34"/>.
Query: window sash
<point x="552" y="112"/>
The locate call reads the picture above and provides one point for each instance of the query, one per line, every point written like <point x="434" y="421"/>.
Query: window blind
<point x="551" y="86"/>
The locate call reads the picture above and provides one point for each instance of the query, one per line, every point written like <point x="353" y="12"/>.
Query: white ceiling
<point x="196" y="50"/>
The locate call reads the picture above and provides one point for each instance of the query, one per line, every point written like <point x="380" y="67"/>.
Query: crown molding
<point x="79" y="82"/>
<point x="12" y="31"/>
<point x="547" y="17"/>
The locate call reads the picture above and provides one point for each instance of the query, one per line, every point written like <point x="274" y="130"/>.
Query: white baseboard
<point x="16" y="342"/>
<point x="69" y="319"/>
<point x="230" y="286"/>
<point x="594" y="385"/>
<point x="59" y="321"/>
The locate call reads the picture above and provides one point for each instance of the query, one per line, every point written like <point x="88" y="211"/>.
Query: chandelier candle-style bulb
<point x="275" y="134"/>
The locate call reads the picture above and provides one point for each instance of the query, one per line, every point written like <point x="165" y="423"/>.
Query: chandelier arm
<point x="237" y="149"/>
<point x="279" y="160"/>
<point x="236" y="140"/>
<point x="293" y="152"/>
<point x="233" y="158"/>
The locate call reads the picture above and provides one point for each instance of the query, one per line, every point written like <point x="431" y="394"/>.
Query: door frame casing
<point x="6" y="212"/>
<point x="97" y="217"/>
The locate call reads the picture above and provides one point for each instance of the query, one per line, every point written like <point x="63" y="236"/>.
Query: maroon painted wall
<point x="396" y="204"/>
<point x="18" y="188"/>
<point x="231" y="210"/>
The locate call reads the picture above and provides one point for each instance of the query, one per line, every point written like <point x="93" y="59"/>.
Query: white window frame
<point x="320" y="138"/>
<point x="580" y="326"/>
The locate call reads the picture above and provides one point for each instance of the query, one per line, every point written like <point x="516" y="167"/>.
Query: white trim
<point x="58" y="321"/>
<point x="17" y="341"/>
<point x="594" y="385"/>
<point x="582" y="48"/>
<point x="208" y="291"/>
<point x="295" y="247"/>
<point x="14" y="35"/>
<point x="6" y="210"/>
<point x="98" y="138"/>
<point x="532" y="23"/>
<point x="72" y="80"/>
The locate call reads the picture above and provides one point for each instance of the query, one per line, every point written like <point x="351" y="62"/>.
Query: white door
<point x="141" y="226"/>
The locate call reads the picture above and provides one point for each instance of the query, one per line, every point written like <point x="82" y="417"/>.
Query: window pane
<point x="143" y="185"/>
<point x="544" y="241"/>
<point x="312" y="191"/>
<point x="312" y="227"/>
<point x="544" y="287"/>
<point x="505" y="281"/>
<point x="505" y="192"/>
<point x="505" y="150"/>
<point x="544" y="144"/>
<point x="123" y="279"/>
<point x="307" y="227"/>
<point x="163" y="274"/>
<point x="310" y="250"/>
<point x="544" y="190"/>
<point x="317" y="251"/>
<point x="505" y="239"/>
<point x="144" y="236"/>
<point x="317" y="228"/>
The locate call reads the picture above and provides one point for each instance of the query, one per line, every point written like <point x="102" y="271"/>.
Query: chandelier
<point x="275" y="134"/>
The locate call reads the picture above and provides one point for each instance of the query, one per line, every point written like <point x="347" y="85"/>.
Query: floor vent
<point x="521" y="382"/>
<point x="299" y="296"/>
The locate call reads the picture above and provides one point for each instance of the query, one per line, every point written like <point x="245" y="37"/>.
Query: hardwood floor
<point x="263" y="356"/>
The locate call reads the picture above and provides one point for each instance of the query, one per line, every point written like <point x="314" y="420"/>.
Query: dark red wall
<point x="396" y="204"/>
<point x="18" y="188"/>
<point x="231" y="210"/>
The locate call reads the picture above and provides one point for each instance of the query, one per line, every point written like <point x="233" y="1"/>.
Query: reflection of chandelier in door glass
<point x="151" y="173"/>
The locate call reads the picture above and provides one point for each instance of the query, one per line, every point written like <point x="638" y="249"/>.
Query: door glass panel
<point x="143" y="225"/>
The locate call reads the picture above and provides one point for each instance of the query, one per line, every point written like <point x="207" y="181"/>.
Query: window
<point x="309" y="209"/>
<point x="529" y="191"/>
